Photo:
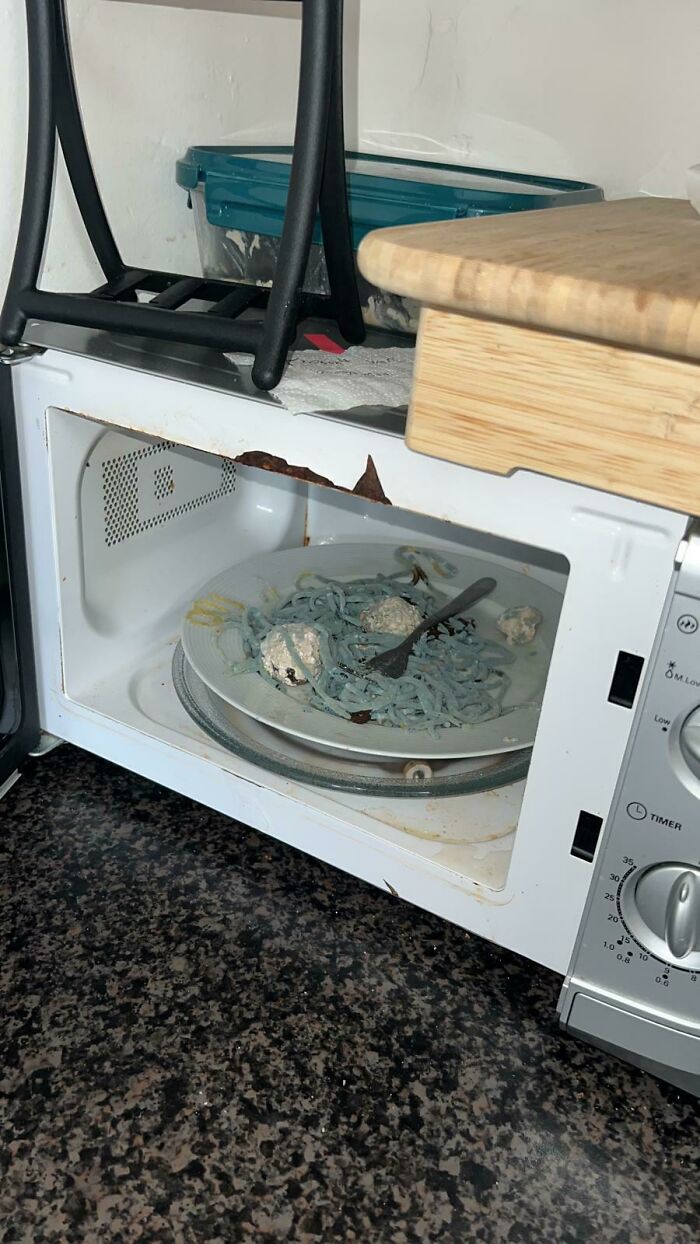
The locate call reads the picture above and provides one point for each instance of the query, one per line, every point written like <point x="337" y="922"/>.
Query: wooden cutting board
<point x="564" y="341"/>
<point x="626" y="272"/>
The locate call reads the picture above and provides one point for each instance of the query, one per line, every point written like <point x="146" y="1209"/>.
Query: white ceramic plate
<point x="212" y="649"/>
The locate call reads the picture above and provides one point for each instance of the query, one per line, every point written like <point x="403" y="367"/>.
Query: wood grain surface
<point x="626" y="272"/>
<point x="499" y="397"/>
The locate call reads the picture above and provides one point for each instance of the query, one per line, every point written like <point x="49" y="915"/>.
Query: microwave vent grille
<point x="156" y="484"/>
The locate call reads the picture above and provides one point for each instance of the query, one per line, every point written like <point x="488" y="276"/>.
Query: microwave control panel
<point x="634" y="981"/>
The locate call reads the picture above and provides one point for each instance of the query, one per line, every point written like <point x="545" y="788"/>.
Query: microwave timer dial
<point x="660" y="907"/>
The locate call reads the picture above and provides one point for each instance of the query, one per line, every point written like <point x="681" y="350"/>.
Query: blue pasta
<point x="453" y="678"/>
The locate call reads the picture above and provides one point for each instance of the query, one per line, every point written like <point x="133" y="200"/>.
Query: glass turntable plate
<point x="301" y="761"/>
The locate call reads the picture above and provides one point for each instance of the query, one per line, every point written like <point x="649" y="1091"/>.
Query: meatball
<point x="280" y="662"/>
<point x="392" y="616"/>
<point x="519" y="624"/>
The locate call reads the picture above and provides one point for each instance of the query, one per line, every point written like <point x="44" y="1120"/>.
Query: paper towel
<point x="315" y="380"/>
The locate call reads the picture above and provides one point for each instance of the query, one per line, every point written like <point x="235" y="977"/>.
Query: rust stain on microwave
<point x="368" y="486"/>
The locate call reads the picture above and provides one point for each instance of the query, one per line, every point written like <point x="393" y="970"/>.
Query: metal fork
<point x="393" y="663"/>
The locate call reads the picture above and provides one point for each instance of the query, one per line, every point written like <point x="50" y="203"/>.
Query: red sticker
<point x="322" y="342"/>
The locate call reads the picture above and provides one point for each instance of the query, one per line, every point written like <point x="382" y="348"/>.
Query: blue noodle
<point x="453" y="678"/>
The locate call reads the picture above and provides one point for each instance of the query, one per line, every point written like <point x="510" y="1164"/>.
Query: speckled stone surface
<point x="210" y="1037"/>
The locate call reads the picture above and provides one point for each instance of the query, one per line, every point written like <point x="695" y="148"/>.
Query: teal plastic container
<point x="239" y="196"/>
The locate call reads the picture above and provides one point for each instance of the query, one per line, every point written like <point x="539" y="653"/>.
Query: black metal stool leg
<point x="39" y="173"/>
<point x="319" y="24"/>
<point x="335" y="213"/>
<point x="76" y="154"/>
<point x="317" y="176"/>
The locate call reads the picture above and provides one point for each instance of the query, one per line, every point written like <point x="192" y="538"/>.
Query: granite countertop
<point x="208" y="1036"/>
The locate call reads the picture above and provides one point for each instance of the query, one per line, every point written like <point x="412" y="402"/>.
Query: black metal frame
<point x="317" y="180"/>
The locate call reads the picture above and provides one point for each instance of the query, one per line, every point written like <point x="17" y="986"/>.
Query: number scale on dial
<point x="625" y="963"/>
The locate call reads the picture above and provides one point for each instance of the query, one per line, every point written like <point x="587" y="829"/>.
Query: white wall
<point x="606" y="90"/>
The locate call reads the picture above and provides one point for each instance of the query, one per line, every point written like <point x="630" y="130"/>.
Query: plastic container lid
<point x="246" y="188"/>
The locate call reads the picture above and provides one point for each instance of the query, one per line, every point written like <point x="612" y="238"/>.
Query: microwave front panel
<point x="634" y="984"/>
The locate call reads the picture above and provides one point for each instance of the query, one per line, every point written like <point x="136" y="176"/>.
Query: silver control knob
<point x="689" y="739"/>
<point x="683" y="915"/>
<point x="661" y="908"/>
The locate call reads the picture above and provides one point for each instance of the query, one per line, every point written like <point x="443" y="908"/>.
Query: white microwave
<point x="586" y="859"/>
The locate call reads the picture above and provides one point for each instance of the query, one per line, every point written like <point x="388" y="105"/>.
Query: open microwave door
<point x="19" y="717"/>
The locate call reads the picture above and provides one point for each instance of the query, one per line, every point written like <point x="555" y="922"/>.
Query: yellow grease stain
<point x="212" y="610"/>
